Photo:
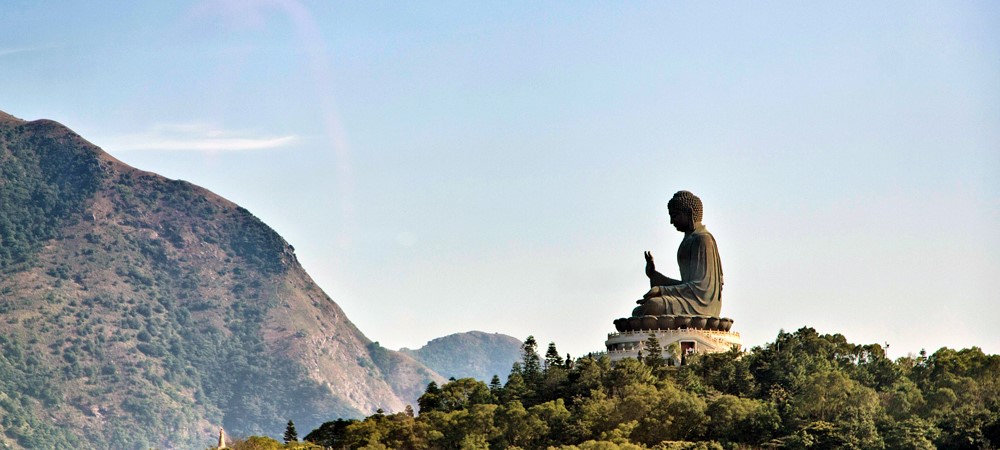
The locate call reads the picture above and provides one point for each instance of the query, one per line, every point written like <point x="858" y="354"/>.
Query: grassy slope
<point x="473" y="354"/>
<point x="137" y="311"/>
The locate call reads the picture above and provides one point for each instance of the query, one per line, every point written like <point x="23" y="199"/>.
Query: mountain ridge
<point x="136" y="302"/>
<point x="472" y="354"/>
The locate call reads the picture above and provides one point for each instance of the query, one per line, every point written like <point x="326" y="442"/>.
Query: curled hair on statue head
<point x="685" y="200"/>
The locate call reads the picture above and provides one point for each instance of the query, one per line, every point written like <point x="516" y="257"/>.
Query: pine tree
<point x="654" y="353"/>
<point x="531" y="364"/>
<point x="290" y="434"/>
<point x="431" y="400"/>
<point x="552" y="357"/>
<point x="515" y="389"/>
<point x="495" y="387"/>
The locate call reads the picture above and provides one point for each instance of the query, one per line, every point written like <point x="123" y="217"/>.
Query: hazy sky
<point x="501" y="166"/>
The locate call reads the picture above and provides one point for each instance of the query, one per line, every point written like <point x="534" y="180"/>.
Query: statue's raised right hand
<point x="650" y="265"/>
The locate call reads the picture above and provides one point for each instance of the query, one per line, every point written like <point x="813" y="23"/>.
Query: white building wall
<point x="628" y="344"/>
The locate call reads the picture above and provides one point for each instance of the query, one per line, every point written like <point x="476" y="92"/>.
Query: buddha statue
<point x="699" y="291"/>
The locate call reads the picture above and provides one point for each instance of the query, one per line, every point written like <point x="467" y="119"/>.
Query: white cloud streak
<point x="197" y="138"/>
<point x="29" y="49"/>
<point x="14" y="51"/>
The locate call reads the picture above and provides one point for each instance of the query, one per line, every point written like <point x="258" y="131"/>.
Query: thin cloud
<point x="16" y="50"/>
<point x="197" y="138"/>
<point x="29" y="49"/>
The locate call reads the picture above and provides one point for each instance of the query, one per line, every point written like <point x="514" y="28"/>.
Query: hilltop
<point x="473" y="354"/>
<point x="138" y="311"/>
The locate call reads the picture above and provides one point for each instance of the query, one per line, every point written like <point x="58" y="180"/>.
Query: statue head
<point x="685" y="211"/>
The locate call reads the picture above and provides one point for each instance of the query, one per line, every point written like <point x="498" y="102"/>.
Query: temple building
<point x="677" y="335"/>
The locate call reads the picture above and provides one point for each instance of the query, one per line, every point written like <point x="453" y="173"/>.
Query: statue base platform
<point x="672" y="322"/>
<point x="628" y="344"/>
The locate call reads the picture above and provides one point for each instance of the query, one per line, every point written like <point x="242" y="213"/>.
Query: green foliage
<point x="746" y="420"/>
<point x="290" y="434"/>
<point x="531" y="365"/>
<point x="117" y="332"/>
<point x="654" y="354"/>
<point x="253" y="387"/>
<point x="471" y="354"/>
<point x="26" y="384"/>
<point x="552" y="357"/>
<point x="463" y="394"/>
<point x="431" y="399"/>
<point x="331" y="434"/>
<point x="162" y="357"/>
<point x="267" y="443"/>
<point x="46" y="180"/>
<point x="255" y="242"/>
<point x="804" y="391"/>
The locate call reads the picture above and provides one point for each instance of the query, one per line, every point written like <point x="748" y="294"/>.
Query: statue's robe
<point x="700" y="289"/>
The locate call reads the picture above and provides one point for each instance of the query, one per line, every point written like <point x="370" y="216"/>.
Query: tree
<point x="654" y="353"/>
<point x="848" y="407"/>
<point x="255" y="443"/>
<point x="911" y="434"/>
<point x="522" y="429"/>
<point x="495" y="386"/>
<point x="431" y="400"/>
<point x="804" y="391"/>
<point x="552" y="357"/>
<point x="531" y="365"/>
<point x="331" y="434"/>
<point x="515" y="389"/>
<point x="726" y="372"/>
<point x="290" y="434"/>
<point x="463" y="393"/>
<point x="671" y="414"/>
<point x="745" y="420"/>
<point x="674" y="353"/>
<point x="626" y="372"/>
<point x="555" y="417"/>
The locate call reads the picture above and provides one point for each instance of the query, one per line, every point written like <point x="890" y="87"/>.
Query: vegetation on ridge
<point x="472" y="354"/>
<point x="140" y="312"/>
<point x="42" y="188"/>
<point x="802" y="391"/>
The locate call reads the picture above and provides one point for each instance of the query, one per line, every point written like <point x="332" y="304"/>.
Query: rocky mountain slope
<point x="137" y="311"/>
<point x="473" y="354"/>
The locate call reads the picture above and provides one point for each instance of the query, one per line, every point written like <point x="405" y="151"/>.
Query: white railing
<point x="621" y="352"/>
<point x="673" y="331"/>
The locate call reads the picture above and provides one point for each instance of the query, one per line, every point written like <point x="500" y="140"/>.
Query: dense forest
<point x="805" y="390"/>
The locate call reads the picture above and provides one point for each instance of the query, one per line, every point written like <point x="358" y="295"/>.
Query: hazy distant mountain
<point x="137" y="311"/>
<point x="473" y="354"/>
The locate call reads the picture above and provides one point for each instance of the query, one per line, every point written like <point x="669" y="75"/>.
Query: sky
<point x="442" y="167"/>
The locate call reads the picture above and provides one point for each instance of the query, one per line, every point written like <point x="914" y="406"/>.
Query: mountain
<point x="138" y="311"/>
<point x="473" y="354"/>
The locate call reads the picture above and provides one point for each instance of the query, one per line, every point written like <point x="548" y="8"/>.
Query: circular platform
<point x="672" y="322"/>
<point x="628" y="344"/>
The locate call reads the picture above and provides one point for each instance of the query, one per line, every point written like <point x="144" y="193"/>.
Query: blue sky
<point x="443" y="167"/>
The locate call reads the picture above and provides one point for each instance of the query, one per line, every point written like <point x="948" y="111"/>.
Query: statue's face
<point x="681" y="219"/>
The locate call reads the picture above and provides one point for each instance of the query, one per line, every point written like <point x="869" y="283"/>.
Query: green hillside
<point x="138" y="312"/>
<point x="473" y="354"/>
<point x="803" y="391"/>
